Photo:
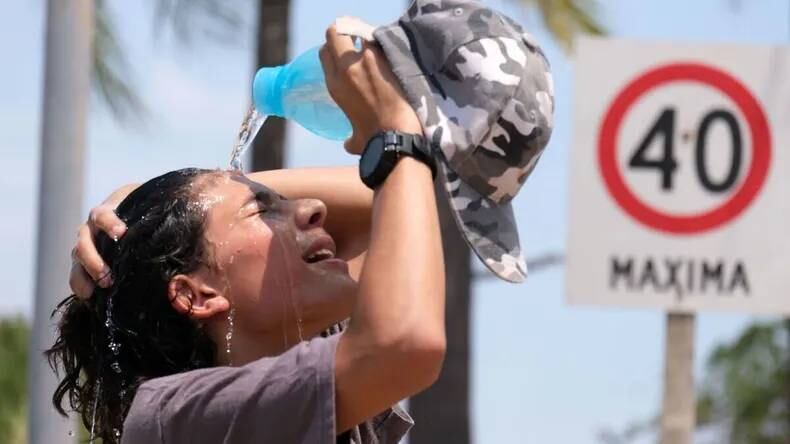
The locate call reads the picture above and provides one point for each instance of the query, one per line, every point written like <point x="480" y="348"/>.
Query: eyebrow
<point x="259" y="196"/>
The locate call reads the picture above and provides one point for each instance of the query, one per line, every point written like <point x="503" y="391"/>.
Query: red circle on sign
<point x="740" y="199"/>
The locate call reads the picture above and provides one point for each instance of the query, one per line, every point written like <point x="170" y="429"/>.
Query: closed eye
<point x="265" y="201"/>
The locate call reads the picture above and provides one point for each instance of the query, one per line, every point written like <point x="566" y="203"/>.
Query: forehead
<point x="224" y="193"/>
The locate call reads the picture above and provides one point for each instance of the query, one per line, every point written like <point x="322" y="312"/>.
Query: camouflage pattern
<point x="482" y="89"/>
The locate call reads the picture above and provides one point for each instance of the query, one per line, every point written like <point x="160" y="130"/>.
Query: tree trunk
<point x="441" y="413"/>
<point x="67" y="74"/>
<point x="273" y="21"/>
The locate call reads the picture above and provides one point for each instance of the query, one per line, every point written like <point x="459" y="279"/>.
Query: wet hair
<point x="101" y="361"/>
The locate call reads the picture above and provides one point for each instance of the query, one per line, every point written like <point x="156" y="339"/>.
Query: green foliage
<point x="567" y="18"/>
<point x="14" y="334"/>
<point x="746" y="391"/>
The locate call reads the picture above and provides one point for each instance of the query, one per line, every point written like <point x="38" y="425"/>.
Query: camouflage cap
<point x="482" y="89"/>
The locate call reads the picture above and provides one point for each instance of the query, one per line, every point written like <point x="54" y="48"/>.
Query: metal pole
<point x="679" y="410"/>
<point x="67" y="76"/>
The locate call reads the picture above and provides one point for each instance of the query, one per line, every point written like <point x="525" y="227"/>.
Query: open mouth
<point x="322" y="249"/>
<point x="319" y="256"/>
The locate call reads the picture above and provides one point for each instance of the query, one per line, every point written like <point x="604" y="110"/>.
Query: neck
<point x="246" y="346"/>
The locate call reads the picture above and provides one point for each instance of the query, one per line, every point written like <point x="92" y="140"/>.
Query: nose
<point x="310" y="213"/>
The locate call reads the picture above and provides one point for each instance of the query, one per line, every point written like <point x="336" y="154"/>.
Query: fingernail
<point x="117" y="231"/>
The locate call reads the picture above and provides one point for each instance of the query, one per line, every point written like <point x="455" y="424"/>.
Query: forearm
<point x="394" y="345"/>
<point x="402" y="284"/>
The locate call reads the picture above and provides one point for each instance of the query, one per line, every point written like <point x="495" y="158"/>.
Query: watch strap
<point x="389" y="147"/>
<point x="414" y="145"/>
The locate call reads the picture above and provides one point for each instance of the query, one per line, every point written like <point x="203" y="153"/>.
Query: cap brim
<point x="489" y="228"/>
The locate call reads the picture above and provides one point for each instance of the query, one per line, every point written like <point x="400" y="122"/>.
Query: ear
<point x="193" y="297"/>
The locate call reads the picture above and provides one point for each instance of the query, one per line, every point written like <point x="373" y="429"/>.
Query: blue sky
<point x="543" y="372"/>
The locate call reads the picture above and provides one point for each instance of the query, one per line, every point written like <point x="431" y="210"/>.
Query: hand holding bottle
<point x="363" y="85"/>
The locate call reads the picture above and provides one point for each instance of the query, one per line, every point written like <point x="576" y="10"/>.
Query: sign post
<point x="678" y="415"/>
<point x="678" y="193"/>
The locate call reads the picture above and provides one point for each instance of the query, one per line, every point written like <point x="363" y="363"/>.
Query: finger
<point x="374" y="48"/>
<point x="341" y="48"/>
<point x="378" y="65"/>
<point x="104" y="219"/>
<point x="90" y="259"/>
<point x="328" y="64"/>
<point x="327" y="61"/>
<point x="79" y="281"/>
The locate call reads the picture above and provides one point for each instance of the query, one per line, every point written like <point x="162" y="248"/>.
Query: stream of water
<point x="252" y="123"/>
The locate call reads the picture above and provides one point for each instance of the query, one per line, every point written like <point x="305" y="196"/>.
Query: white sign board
<point x="680" y="177"/>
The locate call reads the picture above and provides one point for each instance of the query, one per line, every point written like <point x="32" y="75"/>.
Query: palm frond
<point x="111" y="71"/>
<point x="567" y="18"/>
<point x="218" y="20"/>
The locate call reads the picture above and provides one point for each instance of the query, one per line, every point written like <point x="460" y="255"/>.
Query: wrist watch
<point x="383" y="151"/>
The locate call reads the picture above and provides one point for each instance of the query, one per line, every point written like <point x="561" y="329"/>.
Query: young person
<point x="205" y="323"/>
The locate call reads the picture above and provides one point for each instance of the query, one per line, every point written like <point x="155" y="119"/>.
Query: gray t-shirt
<point x="286" y="399"/>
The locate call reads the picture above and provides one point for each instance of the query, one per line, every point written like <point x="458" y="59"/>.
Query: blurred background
<point x="170" y="84"/>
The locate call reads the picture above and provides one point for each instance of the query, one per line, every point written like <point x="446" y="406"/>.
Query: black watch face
<point x="371" y="157"/>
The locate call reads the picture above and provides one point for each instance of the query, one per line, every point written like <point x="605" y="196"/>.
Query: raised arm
<point x="394" y="346"/>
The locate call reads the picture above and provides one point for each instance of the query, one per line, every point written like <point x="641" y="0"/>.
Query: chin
<point x="332" y="299"/>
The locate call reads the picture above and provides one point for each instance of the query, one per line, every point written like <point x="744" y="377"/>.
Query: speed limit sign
<point x="679" y="196"/>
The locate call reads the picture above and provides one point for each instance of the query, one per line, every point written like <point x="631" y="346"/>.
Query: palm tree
<point x="69" y="27"/>
<point x="273" y="20"/>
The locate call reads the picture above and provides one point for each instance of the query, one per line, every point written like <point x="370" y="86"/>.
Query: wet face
<point x="272" y="259"/>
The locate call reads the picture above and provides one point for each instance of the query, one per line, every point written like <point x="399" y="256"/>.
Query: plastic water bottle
<point x="297" y="91"/>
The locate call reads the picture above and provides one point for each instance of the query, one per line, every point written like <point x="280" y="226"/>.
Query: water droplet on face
<point x="116" y="367"/>
<point x="294" y="306"/>
<point x="116" y="432"/>
<point x="115" y="347"/>
<point x="71" y="432"/>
